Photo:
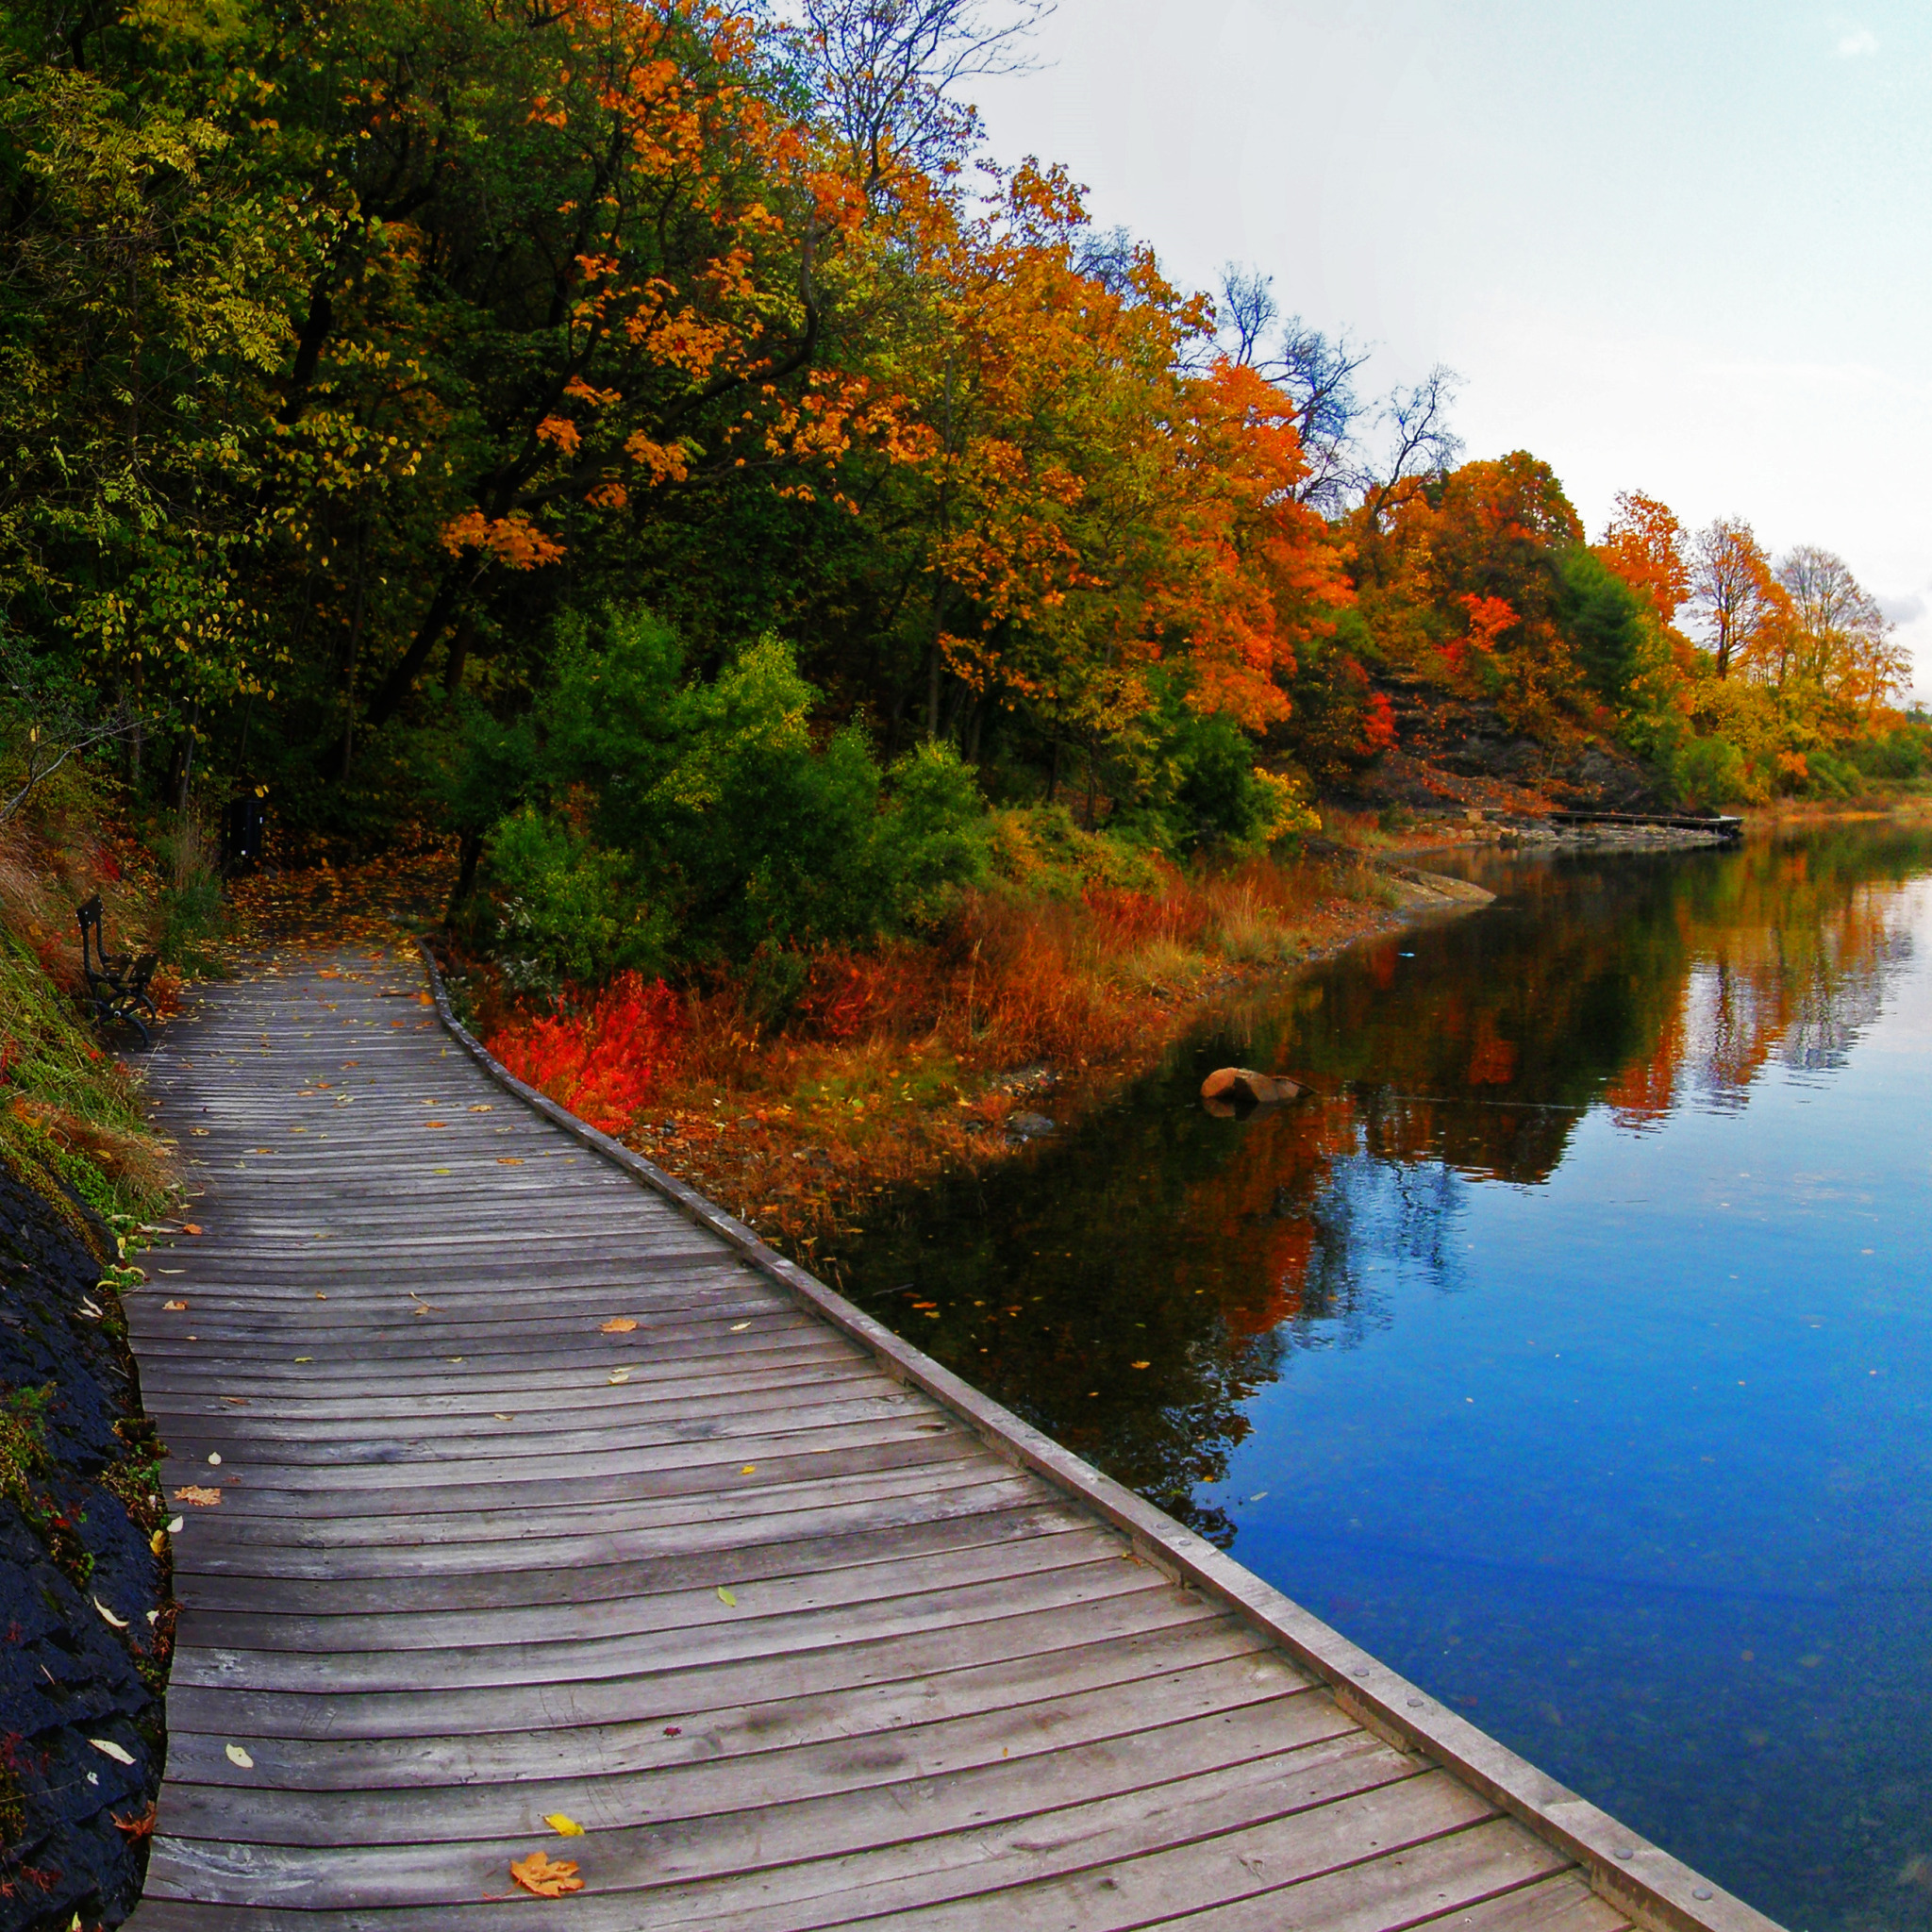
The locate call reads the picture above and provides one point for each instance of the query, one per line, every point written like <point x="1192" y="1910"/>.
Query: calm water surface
<point x="1571" y="1351"/>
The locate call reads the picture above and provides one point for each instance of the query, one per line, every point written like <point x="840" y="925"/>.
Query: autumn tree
<point x="1734" y="593"/>
<point x="1644" y="544"/>
<point x="1839" y="643"/>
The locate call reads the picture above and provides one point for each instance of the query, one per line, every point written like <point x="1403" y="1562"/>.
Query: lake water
<point x="1571" y="1349"/>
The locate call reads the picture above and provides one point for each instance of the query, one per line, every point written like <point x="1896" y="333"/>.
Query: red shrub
<point x="605" y="1062"/>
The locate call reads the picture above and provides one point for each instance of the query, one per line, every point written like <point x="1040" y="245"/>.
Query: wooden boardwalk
<point x="804" y="1632"/>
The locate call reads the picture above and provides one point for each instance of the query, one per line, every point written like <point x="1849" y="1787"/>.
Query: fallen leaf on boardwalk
<point x="618" y="1375"/>
<point x="508" y="1161"/>
<point x="215" y="1462"/>
<point x="190" y="1228"/>
<point x="240" y="1401"/>
<point x="175" y="1525"/>
<point x="1142" y="1365"/>
<point x="749" y="1469"/>
<point x="174" y="1270"/>
<point x="673" y="1730"/>
<point x="436" y="1124"/>
<point x="119" y="1623"/>
<point x="502" y="1416"/>
<point x="203" y="1498"/>
<point x="107" y="1748"/>
<point x="305" y="1358"/>
<point x="619" y="1324"/>
<point x="236" y="1756"/>
<point x="138" y="1828"/>
<point x="546" y="1876"/>
<point x="199" y="1130"/>
<point x="483" y="1106"/>
<point x="725" y="1597"/>
<point x="562" y="1827"/>
<point x="739" y="1327"/>
<point x="456" y="1358"/>
<point x="174" y="1307"/>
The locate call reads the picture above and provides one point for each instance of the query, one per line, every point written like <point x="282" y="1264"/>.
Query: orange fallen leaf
<point x="619" y="1324"/>
<point x="201" y="1497"/>
<point x="190" y="1228"/>
<point x="546" y="1876"/>
<point x="140" y="1826"/>
<point x="1142" y="1365"/>
<point x="508" y="1161"/>
<point x="436" y="1124"/>
<point x="174" y="1307"/>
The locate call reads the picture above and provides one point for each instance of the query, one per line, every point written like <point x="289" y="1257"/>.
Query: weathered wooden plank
<point x="685" y="1527"/>
<point x="347" y="1602"/>
<point x="799" y="1837"/>
<point x="1197" y="1666"/>
<point x="647" y="1695"/>
<point x="717" y="1633"/>
<point x="637" y="1611"/>
<point x="1093" y="1742"/>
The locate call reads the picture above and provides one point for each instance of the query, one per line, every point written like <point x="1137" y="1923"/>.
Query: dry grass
<point x="895" y="1063"/>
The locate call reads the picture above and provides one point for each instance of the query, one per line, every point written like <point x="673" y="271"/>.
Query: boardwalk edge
<point x="1638" y="1878"/>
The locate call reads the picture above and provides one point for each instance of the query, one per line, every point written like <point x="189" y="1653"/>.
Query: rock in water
<point x="1235" y="1087"/>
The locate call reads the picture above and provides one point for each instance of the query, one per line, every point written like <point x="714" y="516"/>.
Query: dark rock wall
<point x="1471" y="740"/>
<point x="70" y="1545"/>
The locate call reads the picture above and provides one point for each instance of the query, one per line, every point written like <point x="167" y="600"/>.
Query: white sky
<point x="1684" y="247"/>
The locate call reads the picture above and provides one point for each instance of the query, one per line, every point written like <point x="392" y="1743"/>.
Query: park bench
<point x="117" y="982"/>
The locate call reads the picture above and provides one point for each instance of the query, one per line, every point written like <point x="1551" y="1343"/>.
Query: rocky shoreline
<point x="84" y="1575"/>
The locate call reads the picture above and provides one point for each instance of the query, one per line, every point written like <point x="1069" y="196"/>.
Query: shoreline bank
<point x="801" y="1174"/>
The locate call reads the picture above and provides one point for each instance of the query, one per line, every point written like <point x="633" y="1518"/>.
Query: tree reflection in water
<point x="1129" y="1287"/>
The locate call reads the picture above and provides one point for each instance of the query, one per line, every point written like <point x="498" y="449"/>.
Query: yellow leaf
<point x="562" y="1827"/>
<point x="739" y="1327"/>
<point x="749" y="1469"/>
<point x="238" y="1757"/>
<point x="619" y="1324"/>
<point x="1142" y="1365"/>
<point x="174" y="1307"/>
<point x="618" y="1376"/>
<point x="725" y="1597"/>
<point x="546" y="1876"/>
<point x="201" y="1497"/>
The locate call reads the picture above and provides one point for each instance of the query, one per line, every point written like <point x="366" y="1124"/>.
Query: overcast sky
<point x="1676" y="247"/>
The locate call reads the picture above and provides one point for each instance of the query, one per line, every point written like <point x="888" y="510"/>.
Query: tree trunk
<point x="348" y="751"/>
<point x="388" y="697"/>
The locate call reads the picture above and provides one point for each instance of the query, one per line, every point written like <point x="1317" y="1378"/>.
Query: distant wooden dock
<point x="1729" y="829"/>
<point x="801" y="1630"/>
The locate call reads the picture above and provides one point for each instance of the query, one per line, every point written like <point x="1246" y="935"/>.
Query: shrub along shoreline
<point x="793" y="1095"/>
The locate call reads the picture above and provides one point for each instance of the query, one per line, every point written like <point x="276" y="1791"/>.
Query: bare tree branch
<point x="55" y="723"/>
<point x="887" y="71"/>
<point x="1420" y="442"/>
